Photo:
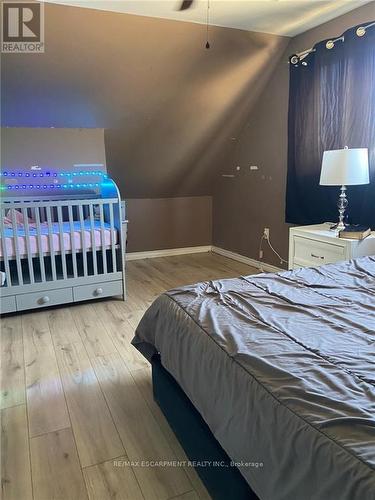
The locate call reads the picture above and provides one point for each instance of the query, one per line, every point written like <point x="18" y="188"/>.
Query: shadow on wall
<point x="180" y="150"/>
<point x="169" y="106"/>
<point x="252" y="200"/>
<point x="172" y="110"/>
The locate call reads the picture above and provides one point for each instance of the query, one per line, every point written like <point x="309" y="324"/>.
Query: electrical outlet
<point x="266" y="233"/>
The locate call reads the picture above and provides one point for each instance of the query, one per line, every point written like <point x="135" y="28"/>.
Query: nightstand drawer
<point x="309" y="252"/>
<point x="317" y="245"/>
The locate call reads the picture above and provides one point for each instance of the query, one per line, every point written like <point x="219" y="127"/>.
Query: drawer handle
<point x="317" y="256"/>
<point x="98" y="291"/>
<point x="44" y="300"/>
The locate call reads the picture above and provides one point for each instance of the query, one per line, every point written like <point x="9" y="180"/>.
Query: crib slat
<point x="113" y="243"/>
<point x="40" y="247"/>
<point x="102" y="237"/>
<point x="28" y="245"/>
<point x="93" y="242"/>
<point x="72" y="241"/>
<point x="121" y="239"/>
<point x="62" y="243"/>
<point x="16" y="248"/>
<point x="5" y="253"/>
<point x="50" y="239"/>
<point x="83" y="240"/>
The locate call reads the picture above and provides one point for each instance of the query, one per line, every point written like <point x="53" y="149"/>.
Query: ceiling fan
<point x="186" y="4"/>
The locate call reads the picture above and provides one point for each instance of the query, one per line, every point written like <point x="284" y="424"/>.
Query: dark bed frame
<point x="223" y="482"/>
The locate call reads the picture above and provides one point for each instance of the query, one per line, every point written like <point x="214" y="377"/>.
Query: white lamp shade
<point x="345" y="167"/>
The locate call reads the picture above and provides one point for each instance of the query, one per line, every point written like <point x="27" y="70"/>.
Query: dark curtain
<point x="331" y="105"/>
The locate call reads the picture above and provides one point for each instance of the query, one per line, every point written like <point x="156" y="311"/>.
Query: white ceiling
<point x="280" y="17"/>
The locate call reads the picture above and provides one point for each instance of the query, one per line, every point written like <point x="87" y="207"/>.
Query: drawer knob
<point x="98" y="291"/>
<point x="44" y="300"/>
<point x="317" y="256"/>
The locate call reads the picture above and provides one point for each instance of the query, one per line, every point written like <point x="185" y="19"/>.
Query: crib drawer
<point x="44" y="299"/>
<point x="97" y="290"/>
<point x="7" y="304"/>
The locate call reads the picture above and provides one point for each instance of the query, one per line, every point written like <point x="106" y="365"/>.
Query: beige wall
<point x="168" y="105"/>
<point x="243" y="206"/>
<point x="170" y="108"/>
<point x="176" y="116"/>
<point x="157" y="224"/>
<point x="59" y="148"/>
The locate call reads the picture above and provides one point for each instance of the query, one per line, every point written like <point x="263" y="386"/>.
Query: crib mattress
<point x="90" y="240"/>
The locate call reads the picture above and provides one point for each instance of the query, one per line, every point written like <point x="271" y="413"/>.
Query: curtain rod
<point x="299" y="56"/>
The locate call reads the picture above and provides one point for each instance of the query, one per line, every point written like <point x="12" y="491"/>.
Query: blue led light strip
<point x="34" y="174"/>
<point x="53" y="186"/>
<point x="88" y="172"/>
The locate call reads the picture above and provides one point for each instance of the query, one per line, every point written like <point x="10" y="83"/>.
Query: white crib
<point x="65" y="245"/>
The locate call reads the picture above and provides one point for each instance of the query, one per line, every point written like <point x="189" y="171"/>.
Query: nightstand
<point x="311" y="246"/>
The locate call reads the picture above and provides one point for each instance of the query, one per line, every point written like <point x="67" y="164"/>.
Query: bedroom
<point x="193" y="146"/>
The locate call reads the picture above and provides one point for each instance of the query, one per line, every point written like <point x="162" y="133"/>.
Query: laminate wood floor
<point x="77" y="413"/>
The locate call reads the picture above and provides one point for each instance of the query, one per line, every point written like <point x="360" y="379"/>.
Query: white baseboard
<point x="208" y="248"/>
<point x="167" y="252"/>
<point x="246" y="260"/>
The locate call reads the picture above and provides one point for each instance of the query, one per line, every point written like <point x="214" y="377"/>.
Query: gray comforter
<point x="282" y="369"/>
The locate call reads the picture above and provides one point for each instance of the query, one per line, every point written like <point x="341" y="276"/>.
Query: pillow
<point x="18" y="217"/>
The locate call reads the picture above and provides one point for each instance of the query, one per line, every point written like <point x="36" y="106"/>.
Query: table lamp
<point x="344" y="167"/>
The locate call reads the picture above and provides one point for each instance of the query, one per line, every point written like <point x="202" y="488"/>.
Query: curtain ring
<point x="294" y="59"/>
<point x="330" y="44"/>
<point x="361" y="31"/>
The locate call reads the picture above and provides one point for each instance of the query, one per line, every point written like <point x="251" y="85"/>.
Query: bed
<point x="281" y="368"/>
<point x="62" y="238"/>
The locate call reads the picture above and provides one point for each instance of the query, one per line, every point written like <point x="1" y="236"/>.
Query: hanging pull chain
<point x="207" y="24"/>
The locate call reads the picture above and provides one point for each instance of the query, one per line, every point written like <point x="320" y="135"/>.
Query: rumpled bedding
<point x="282" y="369"/>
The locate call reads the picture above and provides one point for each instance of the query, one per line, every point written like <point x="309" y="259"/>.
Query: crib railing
<point x="44" y="241"/>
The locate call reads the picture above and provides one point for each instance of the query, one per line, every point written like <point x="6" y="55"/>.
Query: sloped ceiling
<point x="170" y="108"/>
<point x="279" y="17"/>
